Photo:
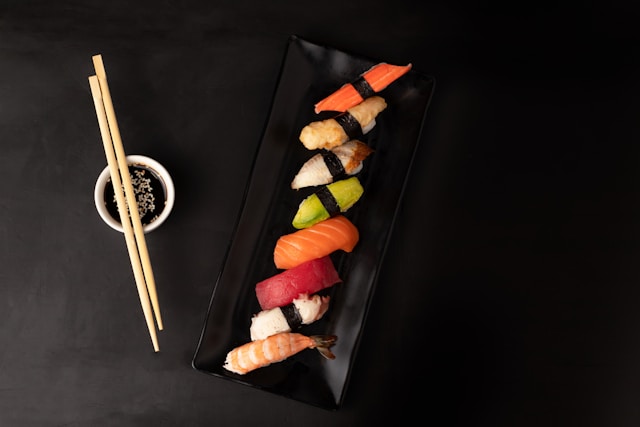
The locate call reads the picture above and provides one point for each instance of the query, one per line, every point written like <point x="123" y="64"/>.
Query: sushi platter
<point x="309" y="73"/>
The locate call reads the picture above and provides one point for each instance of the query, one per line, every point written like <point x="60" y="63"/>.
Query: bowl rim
<point x="161" y="171"/>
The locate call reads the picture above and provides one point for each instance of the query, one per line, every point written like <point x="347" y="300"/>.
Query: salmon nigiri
<point x="317" y="241"/>
<point x="369" y="83"/>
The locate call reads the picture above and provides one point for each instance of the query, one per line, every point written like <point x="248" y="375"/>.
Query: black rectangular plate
<point x="309" y="73"/>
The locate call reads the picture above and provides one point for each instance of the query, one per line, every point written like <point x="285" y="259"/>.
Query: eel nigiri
<point x="370" y="82"/>
<point x="276" y="348"/>
<point x="317" y="241"/>
<point x="306" y="278"/>
<point x="304" y="310"/>
<point x="328" y="165"/>
<point x="352" y="124"/>
<point x="328" y="201"/>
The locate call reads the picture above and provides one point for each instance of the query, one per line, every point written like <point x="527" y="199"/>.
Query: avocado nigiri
<point x="328" y="201"/>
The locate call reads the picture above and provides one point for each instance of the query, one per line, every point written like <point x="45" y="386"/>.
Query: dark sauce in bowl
<point x="150" y="191"/>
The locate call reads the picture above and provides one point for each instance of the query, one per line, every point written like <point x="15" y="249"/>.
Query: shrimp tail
<point x="323" y="343"/>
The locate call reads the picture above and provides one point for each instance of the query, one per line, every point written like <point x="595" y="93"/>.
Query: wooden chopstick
<point x="122" y="208"/>
<point x="126" y="201"/>
<point x="126" y="181"/>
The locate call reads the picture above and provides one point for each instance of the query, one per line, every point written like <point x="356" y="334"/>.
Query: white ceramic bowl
<point x="159" y="172"/>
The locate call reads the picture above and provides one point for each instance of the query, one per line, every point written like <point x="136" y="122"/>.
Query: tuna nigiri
<point x="328" y="201"/>
<point x="307" y="277"/>
<point x="370" y="82"/>
<point x="352" y="124"/>
<point x="276" y="348"/>
<point x="328" y="165"/>
<point x="317" y="241"/>
<point x="304" y="310"/>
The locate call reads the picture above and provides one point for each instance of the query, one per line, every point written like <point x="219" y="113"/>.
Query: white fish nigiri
<point x="353" y="123"/>
<point x="302" y="311"/>
<point x="323" y="168"/>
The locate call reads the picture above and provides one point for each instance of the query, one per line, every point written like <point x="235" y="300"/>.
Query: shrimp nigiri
<point x="328" y="165"/>
<point x="352" y="124"/>
<point x="275" y="348"/>
<point x="319" y="240"/>
<point x="370" y="82"/>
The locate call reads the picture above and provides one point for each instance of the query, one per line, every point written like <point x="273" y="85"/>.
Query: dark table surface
<point x="509" y="293"/>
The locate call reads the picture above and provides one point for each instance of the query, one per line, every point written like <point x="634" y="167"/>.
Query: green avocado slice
<point x="311" y="210"/>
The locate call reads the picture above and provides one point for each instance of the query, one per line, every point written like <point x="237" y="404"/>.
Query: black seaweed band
<point x="362" y="86"/>
<point x="291" y="315"/>
<point x="328" y="201"/>
<point x="336" y="169"/>
<point x="350" y="125"/>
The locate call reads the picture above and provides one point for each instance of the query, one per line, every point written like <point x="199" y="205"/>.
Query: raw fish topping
<point x="305" y="278"/>
<point x="291" y="298"/>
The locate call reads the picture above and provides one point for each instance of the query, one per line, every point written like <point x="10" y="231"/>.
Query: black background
<point x="509" y="293"/>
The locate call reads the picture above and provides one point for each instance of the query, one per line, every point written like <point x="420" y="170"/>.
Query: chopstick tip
<point x="98" y="64"/>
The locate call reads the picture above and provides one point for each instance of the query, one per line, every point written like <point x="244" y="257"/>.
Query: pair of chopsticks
<point x="125" y="197"/>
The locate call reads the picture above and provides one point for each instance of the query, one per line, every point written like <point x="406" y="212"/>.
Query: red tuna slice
<point x="306" y="278"/>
